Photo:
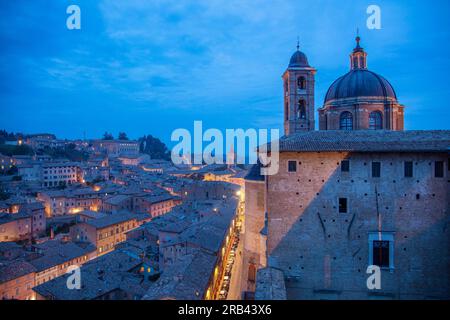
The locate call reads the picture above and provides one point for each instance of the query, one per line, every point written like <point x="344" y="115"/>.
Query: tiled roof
<point x="367" y="141"/>
<point x="118" y="199"/>
<point x="187" y="279"/>
<point x="112" y="219"/>
<point x="56" y="253"/>
<point x="98" y="277"/>
<point x="60" y="164"/>
<point x="7" y="217"/>
<point x="92" y="214"/>
<point x="158" y="198"/>
<point x="205" y="236"/>
<point x="4" y="246"/>
<point x="14" y="269"/>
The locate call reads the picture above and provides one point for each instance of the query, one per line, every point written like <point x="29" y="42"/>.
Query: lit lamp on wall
<point x="240" y="194"/>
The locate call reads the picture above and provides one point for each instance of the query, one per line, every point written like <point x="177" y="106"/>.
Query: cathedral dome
<point x="360" y="83"/>
<point x="298" y="60"/>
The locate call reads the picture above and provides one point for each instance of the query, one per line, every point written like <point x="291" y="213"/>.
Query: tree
<point x="154" y="148"/>
<point x="123" y="136"/>
<point x="10" y="150"/>
<point x="3" y="194"/>
<point x="12" y="171"/>
<point x="67" y="152"/>
<point x="108" y="136"/>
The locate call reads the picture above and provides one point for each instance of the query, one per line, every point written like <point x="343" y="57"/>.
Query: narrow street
<point x="234" y="293"/>
<point x="230" y="281"/>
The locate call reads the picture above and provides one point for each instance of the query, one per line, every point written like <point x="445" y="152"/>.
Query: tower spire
<point x="358" y="39"/>
<point x="298" y="43"/>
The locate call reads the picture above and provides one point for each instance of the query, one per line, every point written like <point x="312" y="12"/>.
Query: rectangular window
<point x="408" y="169"/>
<point x="381" y="249"/>
<point x="343" y="207"/>
<point x="292" y="166"/>
<point x="380" y="253"/>
<point x="345" y="166"/>
<point x="439" y="169"/>
<point x="376" y="169"/>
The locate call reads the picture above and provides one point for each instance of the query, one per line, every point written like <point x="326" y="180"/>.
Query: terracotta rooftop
<point x="367" y="141"/>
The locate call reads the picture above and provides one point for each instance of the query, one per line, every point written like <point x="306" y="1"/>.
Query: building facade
<point x="333" y="213"/>
<point x="66" y="202"/>
<point x="105" y="233"/>
<point x="60" y="174"/>
<point x="15" y="227"/>
<point x="116" y="148"/>
<point x="17" y="279"/>
<point x="254" y="233"/>
<point x="359" y="193"/>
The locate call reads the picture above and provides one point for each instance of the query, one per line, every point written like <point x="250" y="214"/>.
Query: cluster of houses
<point x="137" y="228"/>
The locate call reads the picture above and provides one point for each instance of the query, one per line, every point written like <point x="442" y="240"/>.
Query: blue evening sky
<point x="151" y="66"/>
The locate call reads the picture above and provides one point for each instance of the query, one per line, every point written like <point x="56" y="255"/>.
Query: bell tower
<point x="298" y="92"/>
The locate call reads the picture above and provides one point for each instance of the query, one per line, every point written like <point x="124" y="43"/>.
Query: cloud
<point x="161" y="62"/>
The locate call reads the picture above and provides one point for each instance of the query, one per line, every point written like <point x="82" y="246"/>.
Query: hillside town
<point x="136" y="227"/>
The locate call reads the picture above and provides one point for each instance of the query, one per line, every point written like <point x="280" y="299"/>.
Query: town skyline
<point x="196" y="150"/>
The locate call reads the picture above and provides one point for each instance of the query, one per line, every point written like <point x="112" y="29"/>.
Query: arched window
<point x="346" y="121"/>
<point x="286" y="86"/>
<point x="375" y="120"/>
<point x="301" y="110"/>
<point x="301" y="83"/>
<point x="355" y="62"/>
<point x="362" y="63"/>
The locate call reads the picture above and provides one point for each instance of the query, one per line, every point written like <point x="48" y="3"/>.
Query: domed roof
<point x="298" y="60"/>
<point x="360" y="83"/>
